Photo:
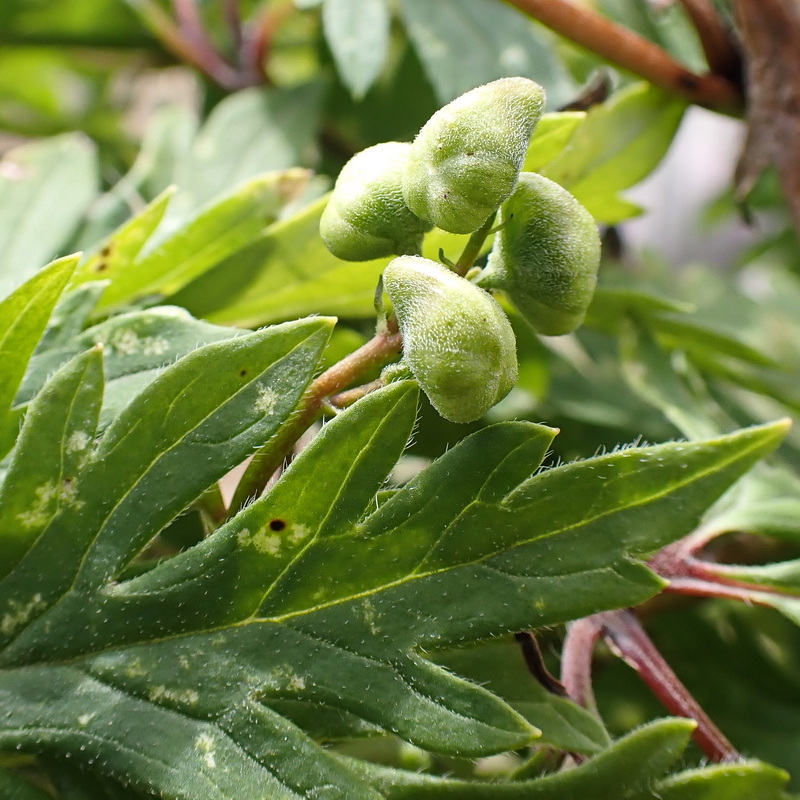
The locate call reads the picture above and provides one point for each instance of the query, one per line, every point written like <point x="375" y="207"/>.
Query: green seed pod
<point x="457" y="341"/>
<point x="367" y="216"/>
<point x="545" y="256"/>
<point x="466" y="159"/>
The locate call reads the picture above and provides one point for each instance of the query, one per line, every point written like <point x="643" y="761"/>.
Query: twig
<point x="473" y="247"/>
<point x="633" y="52"/>
<point x="534" y="660"/>
<point x="625" y="634"/>
<point x="198" y="42"/>
<point x="257" y="37"/>
<point x="718" y="44"/>
<point x="233" y="19"/>
<point x="576" y="660"/>
<point x="383" y="346"/>
<point x="346" y="399"/>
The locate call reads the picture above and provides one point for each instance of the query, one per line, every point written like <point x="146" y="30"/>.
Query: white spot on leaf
<point x="187" y="697"/>
<point x="78" y="441"/>
<point x="20" y="613"/>
<point x="266" y="400"/>
<point x="205" y="746"/>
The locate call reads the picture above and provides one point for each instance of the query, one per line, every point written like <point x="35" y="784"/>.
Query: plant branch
<point x="576" y="660"/>
<point x="473" y="247"/>
<point x="257" y="37"/>
<point x="233" y="19"/>
<point x="534" y="661"/>
<point x="632" y="52"/>
<point x="198" y="42"/>
<point x="717" y="41"/>
<point x="625" y="634"/>
<point x="383" y="346"/>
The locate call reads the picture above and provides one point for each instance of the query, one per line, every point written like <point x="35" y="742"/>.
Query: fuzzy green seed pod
<point x="545" y="256"/>
<point x="367" y="216"/>
<point x="466" y="159"/>
<point x="457" y="341"/>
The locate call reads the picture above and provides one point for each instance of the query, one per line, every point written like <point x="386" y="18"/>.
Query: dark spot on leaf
<point x="243" y="372"/>
<point x="277" y="524"/>
<point x="101" y="266"/>
<point x="106" y="251"/>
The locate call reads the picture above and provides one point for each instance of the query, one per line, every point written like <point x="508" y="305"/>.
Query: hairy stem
<point x="576" y="660"/>
<point x="473" y="247"/>
<point x="382" y="347"/>
<point x="625" y="634"/>
<point x="632" y="52"/>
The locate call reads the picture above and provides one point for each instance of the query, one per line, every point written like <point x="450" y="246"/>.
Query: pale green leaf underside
<point x="45" y="188"/>
<point x="357" y="31"/>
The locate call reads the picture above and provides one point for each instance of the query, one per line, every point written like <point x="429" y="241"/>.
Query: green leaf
<point x="208" y="656"/>
<point x="119" y="250"/>
<point x="619" y="143"/>
<point x="212" y="236"/>
<point x="287" y="272"/>
<point x="213" y="425"/>
<point x="550" y="137"/>
<point x="15" y="787"/>
<point x="357" y="31"/>
<point x="249" y="133"/>
<point x="725" y="782"/>
<point x="650" y="373"/>
<point x="626" y="770"/>
<point x="499" y="667"/>
<point x="23" y="318"/>
<point x="45" y="189"/>
<point x="70" y="315"/>
<point x="136" y="346"/>
<point x="52" y="448"/>
<point x="463" y="45"/>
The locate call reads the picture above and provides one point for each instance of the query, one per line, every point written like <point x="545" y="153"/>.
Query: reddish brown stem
<point x="632" y="52"/>
<point x="258" y="35"/>
<point x="625" y="634"/>
<point x="576" y="660"/>
<point x="201" y="50"/>
<point x="717" y="41"/>
<point x="383" y="346"/>
<point x="534" y="661"/>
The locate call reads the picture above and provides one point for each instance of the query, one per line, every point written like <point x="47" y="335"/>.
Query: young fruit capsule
<point x="457" y="341"/>
<point x="466" y="159"/>
<point x="367" y="216"/>
<point x="545" y="255"/>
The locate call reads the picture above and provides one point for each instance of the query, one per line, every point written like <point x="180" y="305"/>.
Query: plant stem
<point x="534" y="660"/>
<point x="576" y="660"/>
<point x="632" y="52"/>
<point x="383" y="346"/>
<point x="717" y="42"/>
<point x="197" y="42"/>
<point x="233" y="19"/>
<point x="257" y="37"/>
<point x="625" y="633"/>
<point x="473" y="247"/>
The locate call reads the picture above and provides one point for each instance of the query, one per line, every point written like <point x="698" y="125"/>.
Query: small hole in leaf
<point x="277" y="524"/>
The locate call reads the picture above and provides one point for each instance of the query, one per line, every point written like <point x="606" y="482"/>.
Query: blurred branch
<point x="632" y="52"/>
<point x="718" y="43"/>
